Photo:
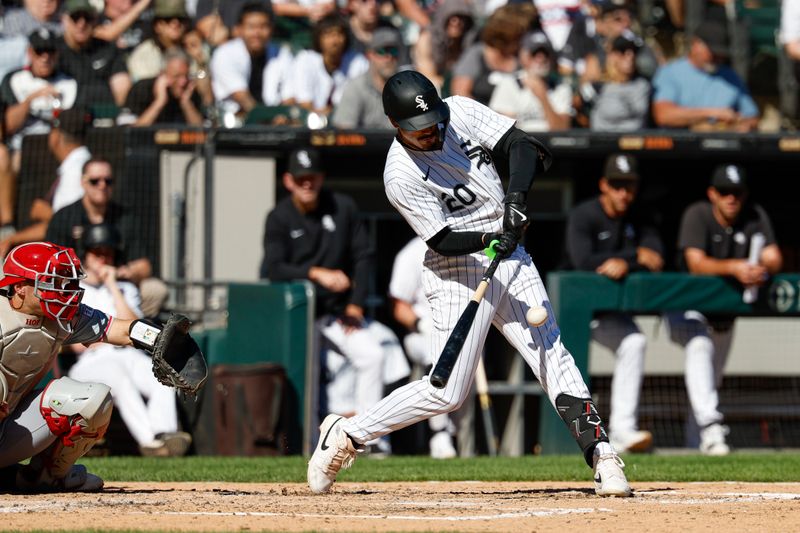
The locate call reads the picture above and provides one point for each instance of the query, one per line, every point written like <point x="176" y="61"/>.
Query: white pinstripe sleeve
<point x="486" y="126"/>
<point x="419" y="208"/>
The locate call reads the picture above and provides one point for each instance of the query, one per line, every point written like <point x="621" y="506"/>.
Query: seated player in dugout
<point x="41" y="310"/>
<point x="443" y="174"/>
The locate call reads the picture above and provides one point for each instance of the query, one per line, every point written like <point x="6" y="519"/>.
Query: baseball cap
<point x="609" y="6"/>
<point x="42" y="39"/>
<point x="715" y="35"/>
<point x="305" y="161"/>
<point x="626" y="41"/>
<point x="621" y="167"/>
<point x="383" y="37"/>
<point x="101" y="235"/>
<point x="73" y="121"/>
<point x="731" y="177"/>
<point x="166" y="9"/>
<point x="79" y="6"/>
<point x="535" y="41"/>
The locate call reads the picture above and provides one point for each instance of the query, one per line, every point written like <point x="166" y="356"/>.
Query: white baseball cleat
<point x="637" y="440"/>
<point x="441" y="445"/>
<point x="609" y="479"/>
<point x="712" y="440"/>
<point x="334" y="451"/>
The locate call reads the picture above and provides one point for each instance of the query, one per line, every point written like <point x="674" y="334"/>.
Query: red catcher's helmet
<point x="56" y="272"/>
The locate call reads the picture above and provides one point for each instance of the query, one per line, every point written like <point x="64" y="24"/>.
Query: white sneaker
<point x="609" y="479"/>
<point x="712" y="440"/>
<point x="637" y="440"/>
<point x="334" y="451"/>
<point x="441" y="445"/>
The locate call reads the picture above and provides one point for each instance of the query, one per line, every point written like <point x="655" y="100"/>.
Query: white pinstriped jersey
<point x="457" y="186"/>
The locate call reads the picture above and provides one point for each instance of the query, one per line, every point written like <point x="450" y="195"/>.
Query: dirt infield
<point x="462" y="506"/>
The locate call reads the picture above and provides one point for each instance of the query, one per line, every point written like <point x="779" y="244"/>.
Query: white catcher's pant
<point x="706" y="353"/>
<point x="24" y="433"/>
<point x="619" y="333"/>
<point x="129" y="373"/>
<point x="449" y="286"/>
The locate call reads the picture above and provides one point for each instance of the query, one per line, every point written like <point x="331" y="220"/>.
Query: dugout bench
<point x="577" y="296"/>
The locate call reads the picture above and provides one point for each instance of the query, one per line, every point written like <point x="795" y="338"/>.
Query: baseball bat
<point x="756" y="245"/>
<point x="482" y="388"/>
<point x="452" y="348"/>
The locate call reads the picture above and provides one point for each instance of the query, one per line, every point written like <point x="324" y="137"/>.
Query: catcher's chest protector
<point x="28" y="344"/>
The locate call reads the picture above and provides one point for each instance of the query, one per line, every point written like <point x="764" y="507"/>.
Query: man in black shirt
<point x="603" y="236"/>
<point x="169" y="98"/>
<point x="68" y="225"/>
<point x="716" y="238"/>
<point x="316" y="234"/>
<point x="98" y="66"/>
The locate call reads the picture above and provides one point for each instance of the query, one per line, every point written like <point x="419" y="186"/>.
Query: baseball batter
<point x="442" y="174"/>
<point x="56" y="426"/>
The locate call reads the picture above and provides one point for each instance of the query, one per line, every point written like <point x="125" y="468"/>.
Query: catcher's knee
<point x="583" y="421"/>
<point x="75" y="410"/>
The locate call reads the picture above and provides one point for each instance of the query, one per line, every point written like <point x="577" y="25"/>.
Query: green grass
<point x="765" y="467"/>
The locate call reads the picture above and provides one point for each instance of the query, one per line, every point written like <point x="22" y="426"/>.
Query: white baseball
<point x="536" y="316"/>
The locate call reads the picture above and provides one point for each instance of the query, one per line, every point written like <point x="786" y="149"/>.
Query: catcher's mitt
<point x="177" y="360"/>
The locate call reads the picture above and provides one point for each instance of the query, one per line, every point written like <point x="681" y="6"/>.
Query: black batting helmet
<point x="411" y="100"/>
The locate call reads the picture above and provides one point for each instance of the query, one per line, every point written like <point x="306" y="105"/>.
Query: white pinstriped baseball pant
<point x="449" y="286"/>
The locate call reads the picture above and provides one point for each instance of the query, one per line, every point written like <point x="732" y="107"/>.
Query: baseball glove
<point x="177" y="360"/>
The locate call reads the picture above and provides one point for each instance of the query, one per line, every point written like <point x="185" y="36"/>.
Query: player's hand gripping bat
<point x="452" y="348"/>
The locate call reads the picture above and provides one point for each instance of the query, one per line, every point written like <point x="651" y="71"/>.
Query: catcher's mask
<point x="56" y="273"/>
<point x="411" y="100"/>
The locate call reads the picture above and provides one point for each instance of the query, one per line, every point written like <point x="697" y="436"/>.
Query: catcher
<point x="55" y="426"/>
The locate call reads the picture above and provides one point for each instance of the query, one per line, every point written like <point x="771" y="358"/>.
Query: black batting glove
<point x="515" y="217"/>
<point x="507" y="243"/>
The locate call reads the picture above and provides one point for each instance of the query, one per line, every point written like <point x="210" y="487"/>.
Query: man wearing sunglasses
<point x="31" y="96"/>
<point x="715" y="238"/>
<point x="361" y="105"/>
<point x="604" y="236"/>
<point x="98" y="66"/>
<point x="68" y="226"/>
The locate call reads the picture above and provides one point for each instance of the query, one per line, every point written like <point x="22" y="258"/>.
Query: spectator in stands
<point x="715" y="238"/>
<point x="410" y="309"/>
<point x="18" y="23"/>
<point x="536" y="97"/>
<point x="127" y="370"/>
<point x="312" y="11"/>
<point x="441" y="44"/>
<point x="34" y="95"/>
<point x="65" y="141"/>
<point x="483" y="64"/>
<point x="217" y="21"/>
<point x="700" y="91"/>
<point x="320" y="74"/>
<point x="790" y="40"/>
<point x="199" y="70"/>
<point x="69" y="225"/>
<point x="169" y="98"/>
<point x="585" y="53"/>
<point x="361" y="105"/>
<point x="250" y="70"/>
<point x="317" y="234"/>
<point x="363" y="19"/>
<point x="605" y="237"/>
<point x="622" y="101"/>
<point x="558" y="19"/>
<point x="30" y="97"/>
<point x="33" y="14"/>
<point x="124" y="23"/>
<point x="98" y="66"/>
<point x="170" y="23"/>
